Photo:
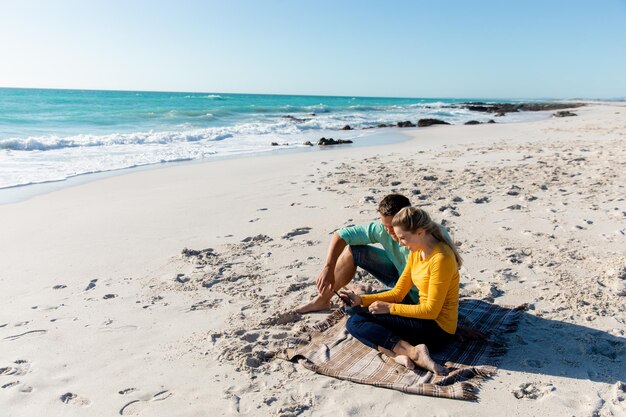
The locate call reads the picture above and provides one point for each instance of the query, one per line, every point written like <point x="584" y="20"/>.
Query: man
<point x="352" y="246"/>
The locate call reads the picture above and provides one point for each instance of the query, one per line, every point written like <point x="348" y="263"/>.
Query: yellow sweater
<point x="436" y="278"/>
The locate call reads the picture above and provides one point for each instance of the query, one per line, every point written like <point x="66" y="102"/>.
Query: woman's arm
<point x="398" y="292"/>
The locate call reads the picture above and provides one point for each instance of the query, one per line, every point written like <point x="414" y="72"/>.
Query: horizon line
<point x="314" y="95"/>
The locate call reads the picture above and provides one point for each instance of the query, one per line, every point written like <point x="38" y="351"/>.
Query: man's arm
<point x="326" y="278"/>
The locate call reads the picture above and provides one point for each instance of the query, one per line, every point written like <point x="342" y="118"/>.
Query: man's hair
<point x="392" y="204"/>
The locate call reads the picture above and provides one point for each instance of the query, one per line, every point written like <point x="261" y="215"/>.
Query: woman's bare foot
<point x="399" y="359"/>
<point x="316" y="304"/>
<point x="421" y="357"/>
<point x="404" y="361"/>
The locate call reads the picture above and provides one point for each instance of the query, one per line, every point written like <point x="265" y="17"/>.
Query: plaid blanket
<point x="327" y="348"/>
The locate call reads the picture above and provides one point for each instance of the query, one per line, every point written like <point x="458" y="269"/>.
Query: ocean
<point x="51" y="135"/>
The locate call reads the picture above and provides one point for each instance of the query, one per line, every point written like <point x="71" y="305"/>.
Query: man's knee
<point x="347" y="256"/>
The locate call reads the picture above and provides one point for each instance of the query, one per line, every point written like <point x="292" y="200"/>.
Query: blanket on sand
<point x="327" y="348"/>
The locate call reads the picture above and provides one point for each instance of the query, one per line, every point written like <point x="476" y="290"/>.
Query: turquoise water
<point x="50" y="135"/>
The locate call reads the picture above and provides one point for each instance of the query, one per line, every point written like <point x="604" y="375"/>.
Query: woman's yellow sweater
<point x="436" y="278"/>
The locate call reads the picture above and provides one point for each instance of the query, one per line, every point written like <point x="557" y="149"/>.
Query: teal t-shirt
<point x="372" y="233"/>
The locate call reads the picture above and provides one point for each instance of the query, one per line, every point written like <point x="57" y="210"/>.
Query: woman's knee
<point x="355" y="322"/>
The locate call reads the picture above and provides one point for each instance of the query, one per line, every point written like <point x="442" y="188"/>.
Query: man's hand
<point x="380" y="307"/>
<point x="326" y="280"/>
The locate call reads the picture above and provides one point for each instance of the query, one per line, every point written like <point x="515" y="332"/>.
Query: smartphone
<point x="345" y="300"/>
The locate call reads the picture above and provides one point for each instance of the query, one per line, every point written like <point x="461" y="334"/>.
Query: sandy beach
<point x="165" y="292"/>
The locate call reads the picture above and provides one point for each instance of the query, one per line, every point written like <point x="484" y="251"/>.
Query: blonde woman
<point x="406" y="332"/>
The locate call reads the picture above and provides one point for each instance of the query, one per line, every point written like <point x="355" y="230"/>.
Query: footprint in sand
<point x="297" y="232"/>
<point x="532" y="391"/>
<point x="205" y="305"/>
<point x="19" y="367"/>
<point x="73" y="399"/>
<point x="127" y="391"/>
<point x="136" y="406"/>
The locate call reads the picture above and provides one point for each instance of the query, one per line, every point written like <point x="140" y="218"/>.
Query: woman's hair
<point x="411" y="219"/>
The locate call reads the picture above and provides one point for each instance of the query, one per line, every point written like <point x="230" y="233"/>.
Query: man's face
<point x="387" y="224"/>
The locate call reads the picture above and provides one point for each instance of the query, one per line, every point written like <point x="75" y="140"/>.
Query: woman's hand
<point x="355" y="300"/>
<point x="380" y="307"/>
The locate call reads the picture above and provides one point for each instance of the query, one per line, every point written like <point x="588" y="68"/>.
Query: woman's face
<point x="413" y="241"/>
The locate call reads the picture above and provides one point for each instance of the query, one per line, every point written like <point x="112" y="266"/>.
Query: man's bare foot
<point x="421" y="357"/>
<point x="316" y="304"/>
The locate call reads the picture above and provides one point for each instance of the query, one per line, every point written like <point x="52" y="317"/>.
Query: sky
<point x="419" y="48"/>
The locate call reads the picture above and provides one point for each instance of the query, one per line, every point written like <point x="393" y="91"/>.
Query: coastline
<point x="364" y="137"/>
<point x="127" y="232"/>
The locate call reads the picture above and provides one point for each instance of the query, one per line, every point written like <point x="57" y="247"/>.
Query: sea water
<point x="51" y="135"/>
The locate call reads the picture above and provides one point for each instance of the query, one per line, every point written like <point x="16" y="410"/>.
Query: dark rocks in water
<point x="502" y="108"/>
<point x="383" y="125"/>
<point x="564" y="113"/>
<point x="500" y="114"/>
<point x="478" y="108"/>
<point x="491" y="121"/>
<point x="295" y="119"/>
<point x="331" y="141"/>
<point x="274" y="144"/>
<point x="405" y="124"/>
<point x="308" y="143"/>
<point x="472" y="122"/>
<point x="430" y="122"/>
<point x="346" y="127"/>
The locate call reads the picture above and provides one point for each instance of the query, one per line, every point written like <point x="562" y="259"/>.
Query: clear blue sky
<point x="490" y="49"/>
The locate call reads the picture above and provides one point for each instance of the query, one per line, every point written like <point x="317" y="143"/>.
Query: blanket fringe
<point x="470" y="391"/>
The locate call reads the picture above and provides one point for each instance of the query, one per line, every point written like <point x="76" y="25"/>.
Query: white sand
<point x="551" y="233"/>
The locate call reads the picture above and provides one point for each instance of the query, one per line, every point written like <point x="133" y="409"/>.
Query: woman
<point x="406" y="332"/>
